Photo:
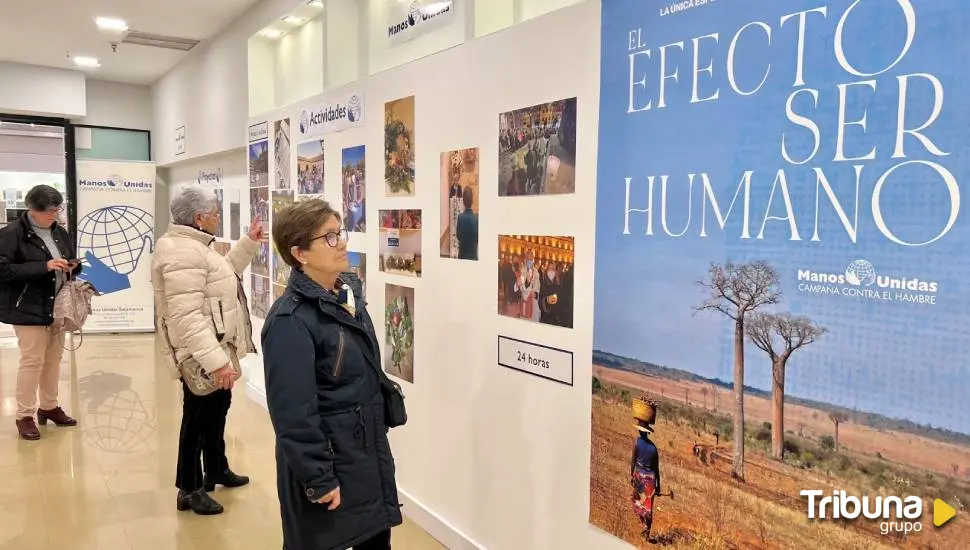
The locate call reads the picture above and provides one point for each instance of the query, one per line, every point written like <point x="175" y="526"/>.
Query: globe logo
<point x="860" y="273"/>
<point x="353" y="108"/>
<point x="414" y="13"/>
<point x="304" y="122"/>
<point x="110" y="241"/>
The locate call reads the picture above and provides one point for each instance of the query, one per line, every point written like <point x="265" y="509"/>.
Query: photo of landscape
<point x="769" y="318"/>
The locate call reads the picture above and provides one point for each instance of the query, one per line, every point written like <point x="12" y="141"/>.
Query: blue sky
<point x="257" y="148"/>
<point x="353" y="155"/>
<point x="309" y="149"/>
<point x="898" y="359"/>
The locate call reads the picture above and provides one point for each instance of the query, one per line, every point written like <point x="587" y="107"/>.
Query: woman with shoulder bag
<point x="203" y="320"/>
<point x="330" y="403"/>
<point x="36" y="258"/>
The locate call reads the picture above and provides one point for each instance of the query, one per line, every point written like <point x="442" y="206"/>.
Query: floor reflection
<point x="108" y="484"/>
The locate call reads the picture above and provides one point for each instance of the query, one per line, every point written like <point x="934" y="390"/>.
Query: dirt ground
<point x="711" y="511"/>
<point x="903" y="448"/>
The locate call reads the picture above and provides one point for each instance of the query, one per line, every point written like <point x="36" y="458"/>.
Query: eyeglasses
<point x="333" y="238"/>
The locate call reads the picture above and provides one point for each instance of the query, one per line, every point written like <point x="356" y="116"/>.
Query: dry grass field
<point x="709" y="509"/>
<point x="903" y="448"/>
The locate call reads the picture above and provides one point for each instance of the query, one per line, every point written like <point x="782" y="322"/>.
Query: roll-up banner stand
<point x="115" y="240"/>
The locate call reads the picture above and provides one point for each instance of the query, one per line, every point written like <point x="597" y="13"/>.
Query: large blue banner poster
<point x="783" y="275"/>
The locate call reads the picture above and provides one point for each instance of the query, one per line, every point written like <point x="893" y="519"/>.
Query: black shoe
<point x="227" y="478"/>
<point x="199" y="502"/>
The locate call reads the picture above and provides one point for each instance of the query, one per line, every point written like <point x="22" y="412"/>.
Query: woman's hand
<point x="256" y="229"/>
<point x="59" y="264"/>
<point x="333" y="497"/>
<point x="225" y="377"/>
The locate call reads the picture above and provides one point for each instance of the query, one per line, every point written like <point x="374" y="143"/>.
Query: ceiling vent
<point x="159" y="41"/>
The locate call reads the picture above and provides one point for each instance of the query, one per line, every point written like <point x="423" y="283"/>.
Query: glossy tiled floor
<point x="107" y="484"/>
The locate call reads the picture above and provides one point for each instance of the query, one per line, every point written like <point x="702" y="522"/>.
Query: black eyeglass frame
<point x="333" y="238"/>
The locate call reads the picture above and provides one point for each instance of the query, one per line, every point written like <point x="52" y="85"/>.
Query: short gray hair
<point x="189" y="201"/>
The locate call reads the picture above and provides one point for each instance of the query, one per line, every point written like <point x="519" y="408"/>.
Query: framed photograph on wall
<point x="537" y="150"/>
<point x="459" y="204"/>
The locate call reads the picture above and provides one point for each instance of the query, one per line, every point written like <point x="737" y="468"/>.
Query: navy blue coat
<point x="325" y="403"/>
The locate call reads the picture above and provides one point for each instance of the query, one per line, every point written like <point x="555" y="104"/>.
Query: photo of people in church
<point x="353" y="177"/>
<point x="535" y="278"/>
<point x="459" y="204"/>
<point x="309" y="167"/>
<point x="537" y="150"/>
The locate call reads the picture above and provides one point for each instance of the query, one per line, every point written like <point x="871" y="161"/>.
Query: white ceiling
<point x="42" y="32"/>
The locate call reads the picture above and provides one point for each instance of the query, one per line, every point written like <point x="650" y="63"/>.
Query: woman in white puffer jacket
<point x="202" y="314"/>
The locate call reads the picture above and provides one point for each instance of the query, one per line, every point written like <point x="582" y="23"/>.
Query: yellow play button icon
<point x="942" y="512"/>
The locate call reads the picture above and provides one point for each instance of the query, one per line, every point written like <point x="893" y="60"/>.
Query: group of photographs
<point x="537" y="156"/>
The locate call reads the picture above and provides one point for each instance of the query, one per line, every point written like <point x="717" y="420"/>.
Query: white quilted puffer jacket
<point x="197" y="299"/>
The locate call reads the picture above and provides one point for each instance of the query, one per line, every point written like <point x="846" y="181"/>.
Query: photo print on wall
<point x="358" y="266"/>
<point x="259" y="206"/>
<point x="459" y="204"/>
<point x="354" y="178"/>
<point x="278" y="291"/>
<point x="537" y="150"/>
<point x="400" y="244"/>
<point x="769" y="320"/>
<point x="281" y="154"/>
<point x="399" y="332"/>
<point x="220" y="207"/>
<point x="399" y="145"/>
<point x="260" y="264"/>
<point x="535" y="278"/>
<point x="261" y="296"/>
<point x="259" y="164"/>
<point x="309" y="167"/>
<point x="235" y="213"/>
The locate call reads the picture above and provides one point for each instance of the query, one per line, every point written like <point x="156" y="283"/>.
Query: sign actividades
<point x="259" y="132"/>
<point x="421" y="16"/>
<point x="334" y="116"/>
<point x="860" y="280"/>
<point x="543" y="361"/>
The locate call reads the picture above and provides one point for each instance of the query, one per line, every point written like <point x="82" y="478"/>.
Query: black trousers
<point x="202" y="437"/>
<point x="381" y="541"/>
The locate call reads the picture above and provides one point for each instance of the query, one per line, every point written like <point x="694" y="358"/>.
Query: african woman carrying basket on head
<point x="645" y="464"/>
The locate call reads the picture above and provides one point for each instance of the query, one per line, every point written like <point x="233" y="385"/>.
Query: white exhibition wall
<point x="490" y="457"/>
<point x="205" y="94"/>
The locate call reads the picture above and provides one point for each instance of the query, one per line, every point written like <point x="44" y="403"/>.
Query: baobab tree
<point x="779" y="335"/>
<point x="837" y="418"/>
<point x="737" y="291"/>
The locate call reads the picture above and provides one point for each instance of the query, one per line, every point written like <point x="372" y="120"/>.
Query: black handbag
<point x="395" y="414"/>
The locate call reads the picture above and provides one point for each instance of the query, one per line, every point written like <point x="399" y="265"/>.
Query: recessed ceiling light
<point x="316" y="3"/>
<point x="271" y="33"/>
<point x="111" y="24"/>
<point x="293" y="20"/>
<point x="86" y="62"/>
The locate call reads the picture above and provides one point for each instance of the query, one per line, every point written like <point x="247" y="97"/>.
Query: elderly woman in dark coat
<point x="335" y="472"/>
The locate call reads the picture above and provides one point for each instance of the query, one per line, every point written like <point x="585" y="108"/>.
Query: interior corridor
<point x="109" y="483"/>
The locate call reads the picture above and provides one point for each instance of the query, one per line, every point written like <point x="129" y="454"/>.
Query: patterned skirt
<point x="644" y="491"/>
